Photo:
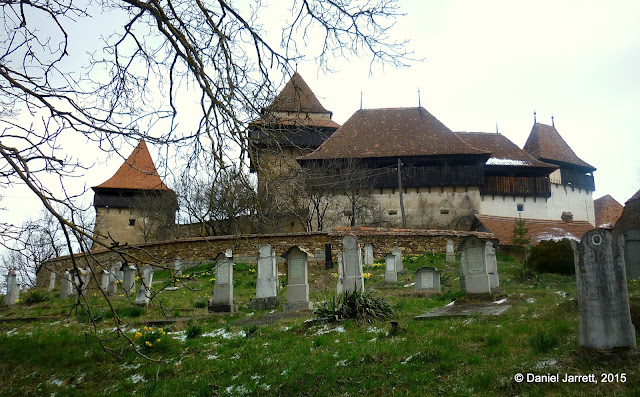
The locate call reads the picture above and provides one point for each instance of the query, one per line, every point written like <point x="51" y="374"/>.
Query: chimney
<point x="567" y="217"/>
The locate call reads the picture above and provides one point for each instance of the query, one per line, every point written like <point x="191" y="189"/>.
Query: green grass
<point x="220" y="355"/>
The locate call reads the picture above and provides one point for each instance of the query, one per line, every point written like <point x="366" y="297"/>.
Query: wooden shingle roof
<point x="546" y="144"/>
<point x="296" y="97"/>
<point x="137" y="173"/>
<point x="392" y="132"/>
<point x="503" y="151"/>
<point x="607" y="211"/>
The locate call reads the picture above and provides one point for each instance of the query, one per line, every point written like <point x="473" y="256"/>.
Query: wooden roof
<point x="503" y="151"/>
<point x="607" y="211"/>
<point x="539" y="229"/>
<point x="546" y="144"/>
<point x="296" y="97"/>
<point x="392" y="132"/>
<point x="137" y="173"/>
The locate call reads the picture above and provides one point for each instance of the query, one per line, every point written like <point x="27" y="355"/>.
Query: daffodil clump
<point x="150" y="338"/>
<point x="366" y="275"/>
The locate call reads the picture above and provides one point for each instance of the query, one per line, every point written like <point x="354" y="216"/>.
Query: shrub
<point x="358" y="305"/>
<point x="249" y="330"/>
<point x="151" y="339"/>
<point x="201" y="304"/>
<point x="552" y="257"/>
<point x="35" y="297"/>
<point x="192" y="331"/>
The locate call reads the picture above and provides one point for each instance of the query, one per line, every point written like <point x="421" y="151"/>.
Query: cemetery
<point x="458" y="322"/>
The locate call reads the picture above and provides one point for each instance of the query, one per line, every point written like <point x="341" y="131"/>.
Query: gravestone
<point x="13" y="289"/>
<point x="112" y="288"/>
<point x="473" y="270"/>
<point x="451" y="254"/>
<point x="427" y="279"/>
<point x="328" y="258"/>
<point x="177" y="268"/>
<point x="390" y="274"/>
<point x="52" y="281"/>
<point x="66" y="288"/>
<point x="222" y="300"/>
<point x="603" y="299"/>
<point x="297" y="280"/>
<point x="352" y="264"/>
<point x="267" y="284"/>
<point x="129" y="282"/>
<point x="368" y="254"/>
<point x="398" y="254"/>
<point x="105" y="279"/>
<point x="492" y="264"/>
<point x="80" y="279"/>
<point x="144" y="290"/>
<point x="340" y="287"/>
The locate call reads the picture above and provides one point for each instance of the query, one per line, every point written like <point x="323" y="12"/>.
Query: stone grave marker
<point x="492" y="264"/>
<point x="105" y="279"/>
<point x="352" y="264"/>
<point x="144" y="290"/>
<point x="297" y="281"/>
<point x="80" y="279"/>
<point x="632" y="253"/>
<point x="112" y="288"/>
<point x="66" y="288"/>
<point x="13" y="289"/>
<point x="473" y="270"/>
<point x="451" y="254"/>
<point x="340" y="287"/>
<point x="398" y="254"/>
<point x="129" y="282"/>
<point x="368" y="254"/>
<point x="603" y="298"/>
<point x="427" y="279"/>
<point x="267" y="284"/>
<point x="328" y="258"/>
<point x="390" y="274"/>
<point x="177" y="268"/>
<point x="52" y="281"/>
<point x="222" y="300"/>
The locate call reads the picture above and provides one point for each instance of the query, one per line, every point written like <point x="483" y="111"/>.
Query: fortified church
<point x="392" y="167"/>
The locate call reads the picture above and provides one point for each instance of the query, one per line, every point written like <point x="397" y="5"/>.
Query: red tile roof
<point x="539" y="229"/>
<point x="607" y="211"/>
<point x="138" y="173"/>
<point x="296" y="97"/>
<point x="546" y="144"/>
<point x="503" y="151"/>
<point x="392" y="132"/>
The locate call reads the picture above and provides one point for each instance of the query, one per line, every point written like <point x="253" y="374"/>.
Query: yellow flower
<point x="148" y="343"/>
<point x="138" y="334"/>
<point x="334" y="274"/>
<point x="366" y="275"/>
<point x="157" y="340"/>
<point x="162" y="332"/>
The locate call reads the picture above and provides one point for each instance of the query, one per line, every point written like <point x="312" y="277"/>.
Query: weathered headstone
<point x="632" y="253"/>
<point x="66" y="288"/>
<point x="473" y="270"/>
<point x="80" y="279"/>
<point x="328" y="258"/>
<point x="297" y="281"/>
<point x="398" y="254"/>
<point x="340" y="287"/>
<point x="144" y="290"/>
<point x="267" y="283"/>
<point x="222" y="300"/>
<point x="603" y="299"/>
<point x="105" y="279"/>
<point x="428" y="279"/>
<point x="492" y="265"/>
<point x="177" y="268"/>
<point x="13" y="289"/>
<point x="52" y="281"/>
<point x="390" y="274"/>
<point x="451" y="254"/>
<point x="112" y="288"/>
<point x="129" y="282"/>
<point x="368" y="254"/>
<point x="352" y="264"/>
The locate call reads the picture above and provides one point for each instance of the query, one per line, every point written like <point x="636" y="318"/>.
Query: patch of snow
<point x="284" y="372"/>
<point x="212" y="356"/>
<point x="373" y="340"/>
<point x="235" y="357"/>
<point x="470" y="320"/>
<point x="545" y="363"/>
<point x="56" y="382"/>
<point x="136" y="378"/>
<point x="129" y="367"/>
<point x="12" y="332"/>
<point x="409" y="285"/>
<point x="531" y="300"/>
<point x="406" y="360"/>
<point x="255" y="377"/>
<point x="250" y="314"/>
<point x="556" y="234"/>
<point x="373" y="330"/>
<point x="339" y="329"/>
<point x="285" y="329"/>
<point x="534" y="315"/>
<point x="264" y="386"/>
<point x="497" y="161"/>
<point x="181" y="336"/>
<point x="342" y="363"/>
<point x="223" y="333"/>
<point x="563" y="294"/>
<point x="450" y="304"/>
<point x="500" y="301"/>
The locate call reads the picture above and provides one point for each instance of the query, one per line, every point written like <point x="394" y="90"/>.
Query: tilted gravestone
<point x="340" y="287"/>
<point x="390" y="274"/>
<point x="66" y="288"/>
<point x="352" y="265"/>
<point x="492" y="265"/>
<point x="80" y="279"/>
<point x="473" y="270"/>
<point x="144" y="290"/>
<point x="368" y="254"/>
<point x="222" y="300"/>
<point x="267" y="283"/>
<point x="13" y="289"/>
<point x="451" y="254"/>
<point x="297" y="280"/>
<point x="398" y="254"/>
<point x="52" y="281"/>
<point x="428" y="279"/>
<point x="328" y="258"/>
<point x="603" y="299"/>
<point x="129" y="282"/>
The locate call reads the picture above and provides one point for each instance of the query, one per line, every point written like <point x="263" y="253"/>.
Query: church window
<point x="444" y="212"/>
<point x="393" y="212"/>
<point x="132" y="222"/>
<point x="520" y="207"/>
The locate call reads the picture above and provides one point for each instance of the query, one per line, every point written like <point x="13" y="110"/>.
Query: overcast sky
<point x="492" y="63"/>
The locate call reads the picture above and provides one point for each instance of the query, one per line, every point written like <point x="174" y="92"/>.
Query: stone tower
<point x="134" y="205"/>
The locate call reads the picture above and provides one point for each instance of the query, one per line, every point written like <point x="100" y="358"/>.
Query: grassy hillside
<point x="52" y="349"/>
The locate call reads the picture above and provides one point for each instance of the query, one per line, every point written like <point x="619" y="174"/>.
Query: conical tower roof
<point x="137" y="173"/>
<point x="546" y="144"/>
<point x="296" y="97"/>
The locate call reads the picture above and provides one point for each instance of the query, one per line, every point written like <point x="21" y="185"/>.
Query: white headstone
<point x="104" y="281"/>
<point x="52" y="281"/>
<point x="451" y="254"/>
<point x="398" y="254"/>
<point x="267" y="283"/>
<point x="603" y="298"/>
<point x="112" y="288"/>
<point x="473" y="270"/>
<point x="352" y="264"/>
<point x="297" y="281"/>
<point x="223" y="290"/>
<point x="66" y="288"/>
<point x="492" y="265"/>
<point x="13" y="289"/>
<point x="144" y="290"/>
<point x="177" y="268"/>
<point x="368" y="254"/>
<point x="427" y="279"/>
<point x="129" y="282"/>
<point x="390" y="274"/>
<point x="341" y="279"/>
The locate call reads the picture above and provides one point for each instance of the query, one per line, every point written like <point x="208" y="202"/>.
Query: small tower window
<point x="444" y="212"/>
<point x="132" y="222"/>
<point x="393" y="212"/>
<point x="520" y="207"/>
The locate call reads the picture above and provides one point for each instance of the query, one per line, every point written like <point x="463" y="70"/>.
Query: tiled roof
<point x="546" y="144"/>
<point x="138" y="172"/>
<point x="503" y="151"/>
<point x="392" y="132"/>
<point x="607" y="211"/>
<point x="634" y="197"/>
<point x="296" y="97"/>
<point x="539" y="229"/>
